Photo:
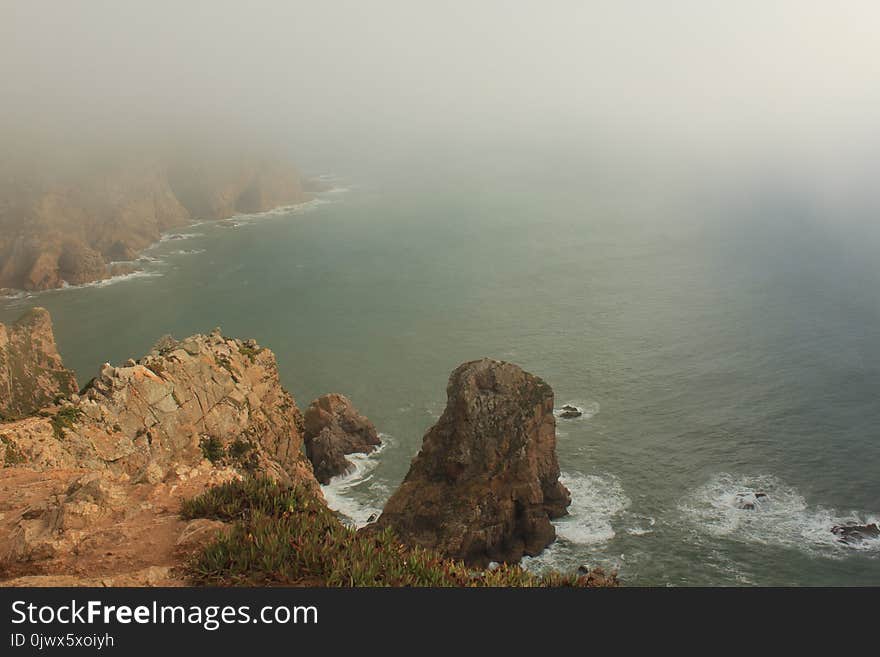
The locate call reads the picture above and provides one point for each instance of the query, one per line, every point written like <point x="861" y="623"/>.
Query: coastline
<point x="134" y="269"/>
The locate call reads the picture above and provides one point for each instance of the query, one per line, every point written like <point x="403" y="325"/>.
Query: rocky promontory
<point x="70" y="227"/>
<point x="485" y="484"/>
<point x="91" y="485"/>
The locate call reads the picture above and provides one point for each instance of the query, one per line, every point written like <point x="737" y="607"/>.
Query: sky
<point x="714" y="74"/>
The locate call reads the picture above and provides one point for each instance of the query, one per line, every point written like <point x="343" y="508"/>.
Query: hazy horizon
<point x="798" y="79"/>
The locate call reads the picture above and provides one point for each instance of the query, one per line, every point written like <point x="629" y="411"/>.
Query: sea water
<point x="720" y="343"/>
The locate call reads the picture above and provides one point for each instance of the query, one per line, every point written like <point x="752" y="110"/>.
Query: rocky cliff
<point x="93" y="484"/>
<point x="31" y="372"/>
<point x="69" y="228"/>
<point x="485" y="484"/>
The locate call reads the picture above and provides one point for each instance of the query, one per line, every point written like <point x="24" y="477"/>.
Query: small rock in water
<point x="372" y="518"/>
<point x="748" y="501"/>
<point x="856" y="533"/>
<point x="569" y="411"/>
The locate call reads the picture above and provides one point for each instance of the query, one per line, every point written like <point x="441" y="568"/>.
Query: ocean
<point x="721" y="339"/>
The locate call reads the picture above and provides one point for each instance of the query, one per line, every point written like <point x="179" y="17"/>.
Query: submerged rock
<point x="748" y="501"/>
<point x="334" y="428"/>
<point x="485" y="484"/>
<point x="856" y="533"/>
<point x="570" y="412"/>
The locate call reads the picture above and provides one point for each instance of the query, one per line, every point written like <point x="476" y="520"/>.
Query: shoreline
<point x="176" y="234"/>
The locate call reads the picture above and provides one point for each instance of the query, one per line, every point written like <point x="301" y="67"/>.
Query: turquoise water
<point x="720" y="343"/>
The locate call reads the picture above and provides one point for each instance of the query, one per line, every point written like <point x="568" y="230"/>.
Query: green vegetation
<point x="212" y="448"/>
<point x="250" y="352"/>
<point x="285" y="535"/>
<point x="65" y="419"/>
<point x="239" y="448"/>
<point x="12" y="455"/>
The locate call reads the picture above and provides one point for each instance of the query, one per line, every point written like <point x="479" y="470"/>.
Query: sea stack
<point x="334" y="428"/>
<point x="485" y="484"/>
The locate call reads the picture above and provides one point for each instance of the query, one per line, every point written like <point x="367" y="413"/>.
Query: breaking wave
<point x="356" y="495"/>
<point x="595" y="501"/>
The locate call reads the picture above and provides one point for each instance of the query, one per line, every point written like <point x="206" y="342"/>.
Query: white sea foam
<point x="346" y="493"/>
<point x="588" y="409"/>
<point x="596" y="500"/>
<point x="179" y="236"/>
<point x="281" y="211"/>
<point x="721" y="508"/>
<point x="141" y="273"/>
<point x="187" y="252"/>
<point x="641" y="525"/>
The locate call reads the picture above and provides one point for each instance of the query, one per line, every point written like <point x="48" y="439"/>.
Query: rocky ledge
<point x="485" y="485"/>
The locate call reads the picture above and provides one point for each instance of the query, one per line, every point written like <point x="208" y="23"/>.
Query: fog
<point x="716" y="80"/>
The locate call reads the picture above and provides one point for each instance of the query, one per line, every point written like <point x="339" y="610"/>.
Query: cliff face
<point x="31" y="372"/>
<point x="486" y="482"/>
<point x="93" y="485"/>
<point x="67" y="229"/>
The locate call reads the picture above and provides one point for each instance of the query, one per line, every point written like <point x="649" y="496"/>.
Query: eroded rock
<point x="334" y="428"/>
<point x="92" y="486"/>
<point x="485" y="484"/>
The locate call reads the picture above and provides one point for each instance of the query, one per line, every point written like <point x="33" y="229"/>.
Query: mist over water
<point x="669" y="211"/>
<point x="722" y="336"/>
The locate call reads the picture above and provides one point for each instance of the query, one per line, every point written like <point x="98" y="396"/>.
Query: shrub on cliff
<point x="284" y="535"/>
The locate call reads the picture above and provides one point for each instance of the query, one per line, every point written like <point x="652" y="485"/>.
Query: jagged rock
<point x="856" y="533"/>
<point x="334" y="428"/>
<point x="31" y="372"/>
<point x="485" y="484"/>
<point x="144" y="419"/>
<point x="94" y="485"/>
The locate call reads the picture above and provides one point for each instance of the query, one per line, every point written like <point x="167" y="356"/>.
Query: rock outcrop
<point x="485" y="484"/>
<point x="93" y="485"/>
<point x="70" y="227"/>
<point x="334" y="428"/>
<point x="31" y="372"/>
<point x="856" y="533"/>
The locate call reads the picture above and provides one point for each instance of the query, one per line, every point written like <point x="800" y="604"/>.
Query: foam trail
<point x="730" y="506"/>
